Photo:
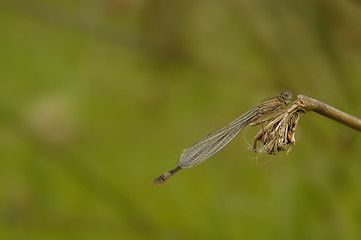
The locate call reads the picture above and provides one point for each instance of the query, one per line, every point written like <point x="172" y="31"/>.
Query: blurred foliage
<point x="99" y="97"/>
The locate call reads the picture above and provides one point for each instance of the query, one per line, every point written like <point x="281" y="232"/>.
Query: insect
<point x="214" y="142"/>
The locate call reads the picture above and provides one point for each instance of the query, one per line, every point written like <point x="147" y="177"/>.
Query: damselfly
<point x="211" y="144"/>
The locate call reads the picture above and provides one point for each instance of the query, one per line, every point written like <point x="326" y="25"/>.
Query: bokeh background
<point x="99" y="97"/>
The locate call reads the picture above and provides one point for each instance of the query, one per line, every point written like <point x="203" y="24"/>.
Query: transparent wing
<point x="211" y="144"/>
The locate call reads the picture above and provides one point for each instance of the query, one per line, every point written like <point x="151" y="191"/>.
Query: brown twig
<point x="279" y="134"/>
<point x="310" y="104"/>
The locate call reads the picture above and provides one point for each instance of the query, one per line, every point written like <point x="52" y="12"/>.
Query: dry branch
<point x="279" y="134"/>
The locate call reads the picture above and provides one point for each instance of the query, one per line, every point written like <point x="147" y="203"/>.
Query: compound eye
<point x="286" y="95"/>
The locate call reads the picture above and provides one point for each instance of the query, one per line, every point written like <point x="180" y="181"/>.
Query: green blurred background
<point x="99" y="97"/>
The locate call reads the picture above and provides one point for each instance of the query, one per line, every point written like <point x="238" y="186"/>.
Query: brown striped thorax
<point x="272" y="105"/>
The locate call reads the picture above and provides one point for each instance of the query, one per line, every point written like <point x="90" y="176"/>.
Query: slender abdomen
<point x="162" y="178"/>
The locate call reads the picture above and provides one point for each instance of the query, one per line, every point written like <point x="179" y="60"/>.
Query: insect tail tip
<point x="159" y="180"/>
<point x="162" y="178"/>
